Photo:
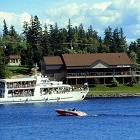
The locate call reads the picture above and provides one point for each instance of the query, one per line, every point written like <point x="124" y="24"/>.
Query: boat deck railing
<point x="18" y="85"/>
<point x="20" y="93"/>
<point x="60" y="91"/>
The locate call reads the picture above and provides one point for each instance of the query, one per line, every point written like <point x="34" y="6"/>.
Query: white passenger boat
<point x="38" y="89"/>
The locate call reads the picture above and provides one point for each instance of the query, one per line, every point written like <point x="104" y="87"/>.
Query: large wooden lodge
<point x="80" y="68"/>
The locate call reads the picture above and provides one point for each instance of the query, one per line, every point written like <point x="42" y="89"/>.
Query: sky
<point x="100" y="14"/>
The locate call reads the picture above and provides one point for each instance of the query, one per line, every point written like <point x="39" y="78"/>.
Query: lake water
<point x="108" y="119"/>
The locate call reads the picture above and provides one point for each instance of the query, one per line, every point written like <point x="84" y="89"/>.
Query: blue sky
<point x="98" y="13"/>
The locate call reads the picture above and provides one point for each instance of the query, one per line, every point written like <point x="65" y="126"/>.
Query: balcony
<point x="103" y="74"/>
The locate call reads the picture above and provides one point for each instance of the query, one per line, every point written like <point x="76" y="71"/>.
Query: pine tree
<point x="3" y="67"/>
<point x="45" y="42"/>
<point x="108" y="38"/>
<point x="69" y="33"/>
<point x="33" y="33"/>
<point x="5" y="29"/>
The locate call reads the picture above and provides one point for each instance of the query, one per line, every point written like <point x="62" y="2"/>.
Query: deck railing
<point x="102" y="73"/>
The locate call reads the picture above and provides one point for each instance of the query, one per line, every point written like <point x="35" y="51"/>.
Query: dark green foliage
<point x="135" y="47"/>
<point x="133" y="80"/>
<point x="5" y="29"/>
<point x="94" y="82"/>
<point x="3" y="66"/>
<point x="115" y="40"/>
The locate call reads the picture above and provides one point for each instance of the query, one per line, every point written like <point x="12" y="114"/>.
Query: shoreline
<point x="112" y="95"/>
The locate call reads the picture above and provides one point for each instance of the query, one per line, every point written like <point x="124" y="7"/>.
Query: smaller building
<point x="14" y="60"/>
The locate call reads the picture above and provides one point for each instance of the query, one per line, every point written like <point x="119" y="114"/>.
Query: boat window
<point x="21" y="93"/>
<point x="43" y="81"/>
<point x="2" y="93"/>
<point x="2" y="85"/>
<point x="20" y="84"/>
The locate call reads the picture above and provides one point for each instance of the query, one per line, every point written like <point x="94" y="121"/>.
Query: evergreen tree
<point x="14" y="45"/>
<point x="102" y="47"/>
<point x="75" y="40"/>
<point x="92" y="40"/>
<point x="82" y="37"/>
<point x="133" y="57"/>
<point x="26" y="31"/>
<point x="63" y="39"/>
<point x="5" y="29"/>
<point x="138" y="48"/>
<point x="45" y="42"/>
<point x="33" y="32"/>
<point x="108" y="39"/>
<point x="115" y="40"/>
<point x="12" y="32"/>
<point x="69" y="33"/>
<point x="122" y="46"/>
<point x="134" y="47"/>
<point x="119" y="41"/>
<point x="3" y="66"/>
<point x="54" y="38"/>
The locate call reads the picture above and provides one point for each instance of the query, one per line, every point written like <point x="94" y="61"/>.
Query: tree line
<point x="38" y="40"/>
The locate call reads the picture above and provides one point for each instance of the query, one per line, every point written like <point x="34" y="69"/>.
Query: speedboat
<point x="70" y="112"/>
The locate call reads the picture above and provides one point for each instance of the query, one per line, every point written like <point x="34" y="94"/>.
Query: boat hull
<point x="71" y="96"/>
<point x="62" y="112"/>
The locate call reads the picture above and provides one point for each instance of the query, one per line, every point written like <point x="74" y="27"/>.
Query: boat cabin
<point x="17" y="87"/>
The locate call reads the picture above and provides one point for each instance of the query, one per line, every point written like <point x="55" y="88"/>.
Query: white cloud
<point x="9" y="17"/>
<point x="61" y="15"/>
<point x="14" y="19"/>
<point x="131" y="2"/>
<point x="25" y="17"/>
<point x="102" y="5"/>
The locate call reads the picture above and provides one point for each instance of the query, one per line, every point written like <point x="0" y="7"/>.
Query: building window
<point x="13" y="60"/>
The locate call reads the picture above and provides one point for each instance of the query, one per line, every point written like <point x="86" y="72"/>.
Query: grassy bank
<point x="104" y="89"/>
<point x="18" y="70"/>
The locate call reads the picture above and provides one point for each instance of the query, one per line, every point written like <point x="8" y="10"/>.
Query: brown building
<point x="80" y="68"/>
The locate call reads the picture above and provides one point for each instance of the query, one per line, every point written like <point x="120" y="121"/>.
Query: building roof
<point x="53" y="60"/>
<point x="89" y="59"/>
<point x="14" y="56"/>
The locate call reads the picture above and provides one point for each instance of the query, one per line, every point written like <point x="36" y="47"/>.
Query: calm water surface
<point x="108" y="119"/>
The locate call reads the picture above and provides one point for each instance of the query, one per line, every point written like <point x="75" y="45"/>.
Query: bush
<point x="133" y="80"/>
<point x="114" y="82"/>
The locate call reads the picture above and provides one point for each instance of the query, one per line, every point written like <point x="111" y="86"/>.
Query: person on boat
<point x="73" y="109"/>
